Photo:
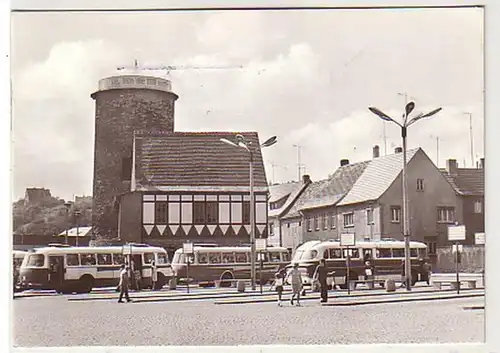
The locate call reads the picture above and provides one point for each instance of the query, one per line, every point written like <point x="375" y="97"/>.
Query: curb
<point x="398" y="300"/>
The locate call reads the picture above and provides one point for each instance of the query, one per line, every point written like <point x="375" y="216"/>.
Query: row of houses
<point x="365" y="198"/>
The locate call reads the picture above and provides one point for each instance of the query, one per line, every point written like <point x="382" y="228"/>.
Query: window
<point x="308" y="224"/>
<point x="246" y="212"/>
<point x="478" y="207"/>
<point x="271" y="229"/>
<point x="104" y="259"/>
<point x="316" y="222"/>
<point x="202" y="258"/>
<point x="384" y="253"/>
<point x="149" y="257"/>
<point x="274" y="257"/>
<point x="199" y="212"/>
<point x="446" y="214"/>
<point x="240" y="257"/>
<point x="213" y="212"/>
<point x="118" y="259"/>
<point x="332" y="220"/>
<point x="398" y="252"/>
<point x="162" y="259"/>
<point x="413" y="252"/>
<point x="227" y="257"/>
<point x="349" y="219"/>
<point x="87" y="259"/>
<point x="420" y="184"/>
<point x="310" y="255"/>
<point x="325" y="221"/>
<point x="262" y="255"/>
<point x="395" y="214"/>
<point x="335" y="253"/>
<point x="161" y="213"/>
<point x="72" y="260"/>
<point x="369" y="216"/>
<point x="214" y="258"/>
<point x="285" y="256"/>
<point x="325" y="254"/>
<point x="354" y="253"/>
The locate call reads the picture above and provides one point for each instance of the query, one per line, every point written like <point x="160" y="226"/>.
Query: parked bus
<point x="225" y="264"/>
<point x="386" y="259"/>
<point x="79" y="269"/>
<point x="17" y="259"/>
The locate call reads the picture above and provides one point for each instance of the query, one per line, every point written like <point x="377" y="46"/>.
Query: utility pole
<point x="471" y="138"/>
<point x="437" y="149"/>
<point x="299" y="165"/>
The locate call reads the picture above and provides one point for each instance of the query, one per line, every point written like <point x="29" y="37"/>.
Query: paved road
<point x="56" y="321"/>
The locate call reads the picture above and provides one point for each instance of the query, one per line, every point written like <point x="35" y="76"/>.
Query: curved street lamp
<point x="408" y="109"/>
<point x="240" y="142"/>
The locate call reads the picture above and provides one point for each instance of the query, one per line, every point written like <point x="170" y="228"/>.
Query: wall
<point x="292" y="232"/>
<point x="361" y="228"/>
<point x="472" y="260"/>
<point x="474" y="222"/>
<point x="422" y="204"/>
<point x="274" y="234"/>
<point x="119" y="112"/>
<point x="129" y="218"/>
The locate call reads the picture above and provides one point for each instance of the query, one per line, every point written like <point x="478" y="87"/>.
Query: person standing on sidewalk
<point x="124" y="283"/>
<point x="154" y="275"/>
<point x="279" y="277"/>
<point x="296" y="280"/>
<point x="320" y="274"/>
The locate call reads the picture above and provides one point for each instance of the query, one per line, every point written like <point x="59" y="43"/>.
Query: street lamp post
<point x="406" y="224"/>
<point x="68" y="205"/>
<point x="242" y="143"/>
<point x="77" y="215"/>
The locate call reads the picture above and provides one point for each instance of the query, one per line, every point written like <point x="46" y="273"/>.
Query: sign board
<point x="126" y="250"/>
<point x="347" y="239"/>
<point x="456" y="233"/>
<point x="454" y="248"/>
<point x="187" y="248"/>
<point x="260" y="244"/>
<point x="479" y="238"/>
<point x="347" y="251"/>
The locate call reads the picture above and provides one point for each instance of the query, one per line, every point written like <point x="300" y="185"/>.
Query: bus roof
<point x="95" y="249"/>
<point x="229" y="249"/>
<point x="313" y="244"/>
<point x="18" y="254"/>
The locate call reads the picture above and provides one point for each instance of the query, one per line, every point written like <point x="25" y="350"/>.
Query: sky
<point x="307" y="77"/>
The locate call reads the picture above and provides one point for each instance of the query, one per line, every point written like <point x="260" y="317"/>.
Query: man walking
<point x="124" y="283"/>
<point x="320" y="274"/>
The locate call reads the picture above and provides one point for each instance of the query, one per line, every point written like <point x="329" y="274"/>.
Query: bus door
<point x="56" y="271"/>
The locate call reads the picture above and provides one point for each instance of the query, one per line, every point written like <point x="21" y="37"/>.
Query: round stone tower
<point x="123" y="104"/>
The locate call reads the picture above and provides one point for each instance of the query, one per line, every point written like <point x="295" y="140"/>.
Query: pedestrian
<point x="279" y="278"/>
<point x="296" y="280"/>
<point x="320" y="275"/>
<point x="403" y="274"/>
<point x="154" y="275"/>
<point x="124" y="283"/>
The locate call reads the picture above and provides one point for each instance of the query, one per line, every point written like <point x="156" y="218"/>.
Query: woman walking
<point x="296" y="280"/>
<point x="279" y="277"/>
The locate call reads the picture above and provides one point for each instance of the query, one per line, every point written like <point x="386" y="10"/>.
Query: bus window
<point x="367" y="254"/>
<point x="87" y="259"/>
<point x="227" y="257"/>
<point x="325" y="254"/>
<point x="335" y="253"/>
<point x="265" y="258"/>
<point x="162" y="259"/>
<point x="104" y="259"/>
<point x="72" y="260"/>
<point x="202" y="258"/>
<point x="149" y="257"/>
<point x="398" y="252"/>
<point x="274" y="257"/>
<point x="383" y="253"/>
<point x="354" y="253"/>
<point x="285" y="256"/>
<point x="118" y="259"/>
<point x="413" y="252"/>
<point x="175" y="259"/>
<point x="214" y="258"/>
<point x="36" y="260"/>
<point x="241" y="257"/>
<point x="309" y="255"/>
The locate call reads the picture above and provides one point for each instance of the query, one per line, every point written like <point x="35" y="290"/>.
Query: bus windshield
<point x="305" y="255"/>
<point x="36" y="260"/>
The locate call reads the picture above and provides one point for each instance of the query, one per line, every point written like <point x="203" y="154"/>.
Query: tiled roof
<point x="278" y="191"/>
<point x="328" y="191"/>
<point x="292" y="197"/>
<point x="195" y="159"/>
<point x="379" y="174"/>
<point x="467" y="181"/>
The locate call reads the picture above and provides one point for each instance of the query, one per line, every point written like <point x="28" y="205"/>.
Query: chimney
<point x="398" y="150"/>
<point x="376" y="151"/>
<point x="306" y="179"/>
<point x="344" y="162"/>
<point x="451" y="166"/>
<point x="482" y="163"/>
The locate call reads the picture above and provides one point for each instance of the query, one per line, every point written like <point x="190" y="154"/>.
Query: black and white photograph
<point x="248" y="176"/>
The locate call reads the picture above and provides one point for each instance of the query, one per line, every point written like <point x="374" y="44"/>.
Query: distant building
<point x="36" y="195"/>
<point x="468" y="184"/>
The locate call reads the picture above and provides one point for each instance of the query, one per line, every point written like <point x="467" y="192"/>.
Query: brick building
<point x="469" y="187"/>
<point x="161" y="187"/>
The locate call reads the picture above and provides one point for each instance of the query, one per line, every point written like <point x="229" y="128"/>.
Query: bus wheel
<point x="225" y="279"/>
<point x="86" y="284"/>
<point x="161" y="281"/>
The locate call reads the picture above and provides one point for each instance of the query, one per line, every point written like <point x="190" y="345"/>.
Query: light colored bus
<point x="17" y="260"/>
<point x="386" y="259"/>
<point x="79" y="269"/>
<point x="225" y="264"/>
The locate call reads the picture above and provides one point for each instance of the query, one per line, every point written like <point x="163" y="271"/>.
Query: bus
<point x="224" y="264"/>
<point x="386" y="258"/>
<point x="68" y="269"/>
<point x="17" y="260"/>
